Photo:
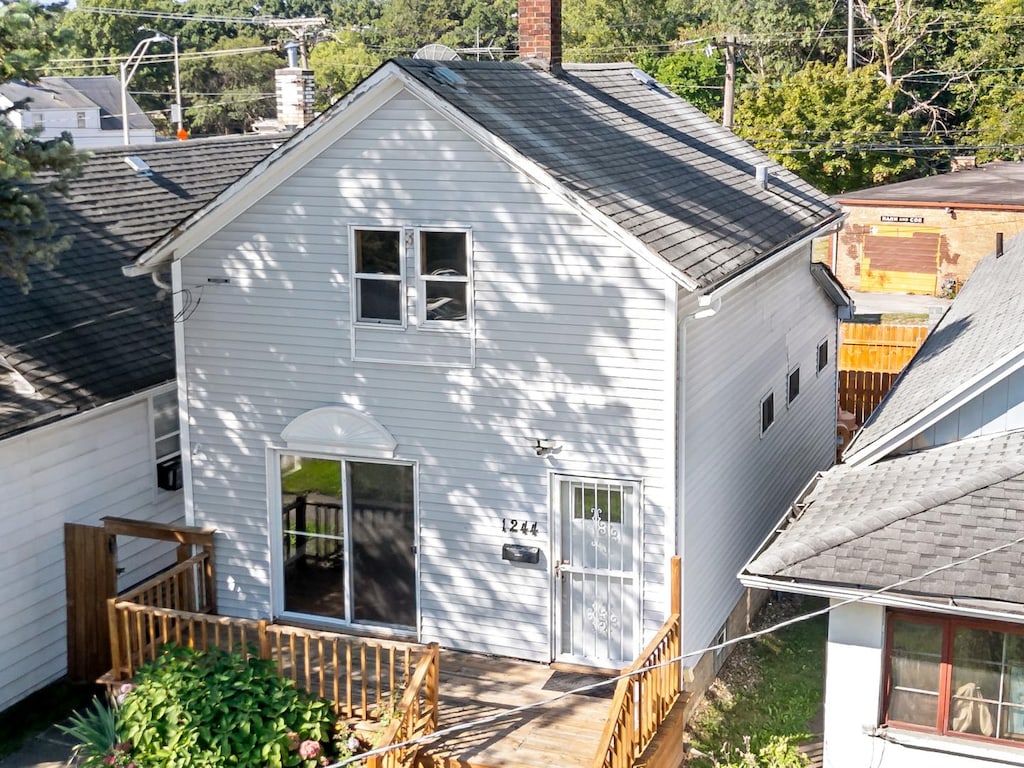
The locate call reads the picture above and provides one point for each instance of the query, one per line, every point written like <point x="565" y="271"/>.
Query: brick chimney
<point x="540" y="33"/>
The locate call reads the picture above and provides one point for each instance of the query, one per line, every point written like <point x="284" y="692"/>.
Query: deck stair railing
<point x="363" y="678"/>
<point x="646" y="694"/>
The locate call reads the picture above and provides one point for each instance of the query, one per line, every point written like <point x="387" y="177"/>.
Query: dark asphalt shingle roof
<point x="983" y="325"/>
<point x="85" y="92"/>
<point x="658" y="167"/>
<point x="85" y="334"/>
<point x="871" y="526"/>
<point x="992" y="184"/>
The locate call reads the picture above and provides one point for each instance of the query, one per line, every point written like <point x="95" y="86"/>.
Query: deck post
<point x="115" y="638"/>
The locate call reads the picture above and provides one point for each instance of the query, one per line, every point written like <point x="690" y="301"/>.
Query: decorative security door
<point x="598" y="572"/>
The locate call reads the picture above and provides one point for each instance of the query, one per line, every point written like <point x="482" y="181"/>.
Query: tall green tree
<point x="694" y="74"/>
<point x="339" y="64"/>
<point x="27" y="236"/>
<point x="831" y="127"/>
<point x="613" y="30"/>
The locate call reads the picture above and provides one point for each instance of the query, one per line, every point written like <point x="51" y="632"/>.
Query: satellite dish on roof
<point x="436" y="52"/>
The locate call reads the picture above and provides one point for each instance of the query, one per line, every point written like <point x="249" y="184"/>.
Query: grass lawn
<point x="771" y="686"/>
<point x="39" y="711"/>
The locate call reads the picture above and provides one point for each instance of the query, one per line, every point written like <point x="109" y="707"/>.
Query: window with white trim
<point x="80" y="119"/>
<point x="767" y="411"/>
<point x="378" y="276"/>
<point x="955" y="677"/>
<point x="167" y="440"/>
<point x="822" y="355"/>
<point x="443" y="277"/>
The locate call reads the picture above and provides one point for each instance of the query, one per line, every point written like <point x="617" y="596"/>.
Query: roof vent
<point x="140" y="166"/>
<point x="447" y="76"/>
<point x="650" y="82"/>
<point x="761" y="174"/>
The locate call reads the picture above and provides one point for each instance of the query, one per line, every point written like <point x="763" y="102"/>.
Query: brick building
<point x="920" y="236"/>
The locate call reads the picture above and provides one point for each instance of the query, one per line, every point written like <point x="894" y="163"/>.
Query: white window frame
<point x="357" y="277"/>
<point x="790" y="396"/>
<point x="760" y="413"/>
<point x="80" y="119"/>
<point x="422" y="280"/>
<point x="155" y="438"/>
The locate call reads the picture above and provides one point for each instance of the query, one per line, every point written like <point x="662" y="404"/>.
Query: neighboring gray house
<point x="485" y="345"/>
<point x="87" y="394"/>
<point x="919" y="542"/>
<point x="89" y="108"/>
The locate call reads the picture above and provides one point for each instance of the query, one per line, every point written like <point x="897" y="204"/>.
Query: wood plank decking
<point x="565" y="733"/>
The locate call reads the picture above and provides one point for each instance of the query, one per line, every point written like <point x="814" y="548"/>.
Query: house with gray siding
<point x="485" y="345"/>
<point x="917" y="540"/>
<point x="88" y="401"/>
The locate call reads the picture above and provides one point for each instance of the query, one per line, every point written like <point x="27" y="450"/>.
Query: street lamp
<point x="133" y="61"/>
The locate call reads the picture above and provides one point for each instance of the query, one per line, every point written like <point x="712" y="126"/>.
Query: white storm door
<point x="598" y="572"/>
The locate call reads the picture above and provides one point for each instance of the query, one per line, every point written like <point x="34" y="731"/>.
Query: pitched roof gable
<point x="979" y="340"/>
<point x="869" y="527"/>
<point x="676" y="185"/>
<point x="85" y="335"/>
<point x="993" y="185"/>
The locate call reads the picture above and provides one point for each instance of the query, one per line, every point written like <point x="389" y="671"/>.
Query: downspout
<point x="706" y="308"/>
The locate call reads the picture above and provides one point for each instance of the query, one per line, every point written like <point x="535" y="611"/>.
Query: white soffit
<point x="339" y="429"/>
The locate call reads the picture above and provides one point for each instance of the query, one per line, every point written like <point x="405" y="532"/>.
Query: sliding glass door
<point x="348" y="540"/>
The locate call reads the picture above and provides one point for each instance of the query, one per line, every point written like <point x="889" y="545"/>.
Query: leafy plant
<point x="213" y="709"/>
<point x="96" y="732"/>
<point x="777" y="753"/>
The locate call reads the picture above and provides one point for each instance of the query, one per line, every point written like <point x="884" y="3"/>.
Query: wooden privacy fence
<point x="645" y="696"/>
<point x="880" y="348"/>
<point x="860" y="392"/>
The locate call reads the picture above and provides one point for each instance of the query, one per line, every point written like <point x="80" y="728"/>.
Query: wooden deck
<point x="565" y="733"/>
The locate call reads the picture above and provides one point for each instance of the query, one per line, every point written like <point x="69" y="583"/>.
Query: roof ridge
<point x="791" y="553"/>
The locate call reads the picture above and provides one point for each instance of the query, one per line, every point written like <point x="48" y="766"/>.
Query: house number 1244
<point x="518" y="526"/>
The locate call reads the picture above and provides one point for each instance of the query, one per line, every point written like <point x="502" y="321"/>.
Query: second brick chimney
<point x="540" y="33"/>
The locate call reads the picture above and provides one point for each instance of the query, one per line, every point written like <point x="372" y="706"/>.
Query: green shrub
<point x="217" y="710"/>
<point x="96" y="733"/>
<point x="776" y="753"/>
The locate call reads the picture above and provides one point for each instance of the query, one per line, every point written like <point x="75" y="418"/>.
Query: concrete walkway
<point x="49" y="749"/>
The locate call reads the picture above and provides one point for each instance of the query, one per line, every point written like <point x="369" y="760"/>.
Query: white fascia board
<point x="831" y="224"/>
<point x="874" y="597"/>
<point x="541" y="177"/>
<point x="937" y="411"/>
<point x="267" y="175"/>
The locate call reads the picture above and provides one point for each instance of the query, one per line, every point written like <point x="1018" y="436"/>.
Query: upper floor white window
<point x="80" y="119"/>
<point x="378" y="276"/>
<point x="443" y="263"/>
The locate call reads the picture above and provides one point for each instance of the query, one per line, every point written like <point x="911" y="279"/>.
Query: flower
<point x="309" y="749"/>
<point x="293" y="740"/>
<point x="355" y="745"/>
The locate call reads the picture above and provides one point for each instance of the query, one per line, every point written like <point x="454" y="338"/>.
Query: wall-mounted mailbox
<point x="520" y="553"/>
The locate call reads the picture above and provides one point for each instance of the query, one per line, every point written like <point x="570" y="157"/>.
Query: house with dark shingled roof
<point x="88" y="401"/>
<point x="487" y="344"/>
<point x="918" y="541"/>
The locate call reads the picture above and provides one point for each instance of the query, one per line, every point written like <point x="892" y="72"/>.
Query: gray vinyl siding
<point x="572" y="340"/>
<point x="77" y="471"/>
<point x="999" y="408"/>
<point x="738" y="483"/>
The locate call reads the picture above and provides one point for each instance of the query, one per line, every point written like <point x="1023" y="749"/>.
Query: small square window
<point x="767" y="411"/>
<point x="793" y="385"/>
<point x="378" y="276"/>
<point x="822" y="355"/>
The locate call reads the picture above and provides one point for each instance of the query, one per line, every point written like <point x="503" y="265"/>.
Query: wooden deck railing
<point x="416" y="713"/>
<point x="186" y="586"/>
<point x="646" y="695"/>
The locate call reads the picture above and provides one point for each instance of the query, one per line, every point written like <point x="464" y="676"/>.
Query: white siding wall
<point x="1000" y="408"/>
<point x="78" y="471"/>
<point x="737" y="482"/>
<point x="853" y="696"/>
<point x="572" y="342"/>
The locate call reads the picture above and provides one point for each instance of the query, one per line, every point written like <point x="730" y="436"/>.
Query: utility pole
<point x="849" y="35"/>
<point x="729" y="92"/>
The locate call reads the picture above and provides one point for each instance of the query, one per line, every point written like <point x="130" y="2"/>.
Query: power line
<point x="428" y="738"/>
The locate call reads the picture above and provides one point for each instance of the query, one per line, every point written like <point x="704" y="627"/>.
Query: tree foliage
<point x="806" y="124"/>
<point x="27" y="236"/>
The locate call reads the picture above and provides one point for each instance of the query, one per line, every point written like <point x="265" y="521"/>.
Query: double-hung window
<point x="378" y="276"/>
<point x="444" y="277"/>
<point x="955" y="677"/>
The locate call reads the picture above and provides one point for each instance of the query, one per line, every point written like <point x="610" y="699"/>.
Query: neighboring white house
<point x="87" y="396"/>
<point x="918" y="540"/>
<point x="486" y="344"/>
<point x="89" y="108"/>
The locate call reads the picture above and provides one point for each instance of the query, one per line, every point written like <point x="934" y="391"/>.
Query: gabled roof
<point x="86" y="335"/>
<point x="677" y="186"/>
<point x="869" y="527"/>
<point x="992" y="185"/>
<point x="101" y="92"/>
<point x="979" y="340"/>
